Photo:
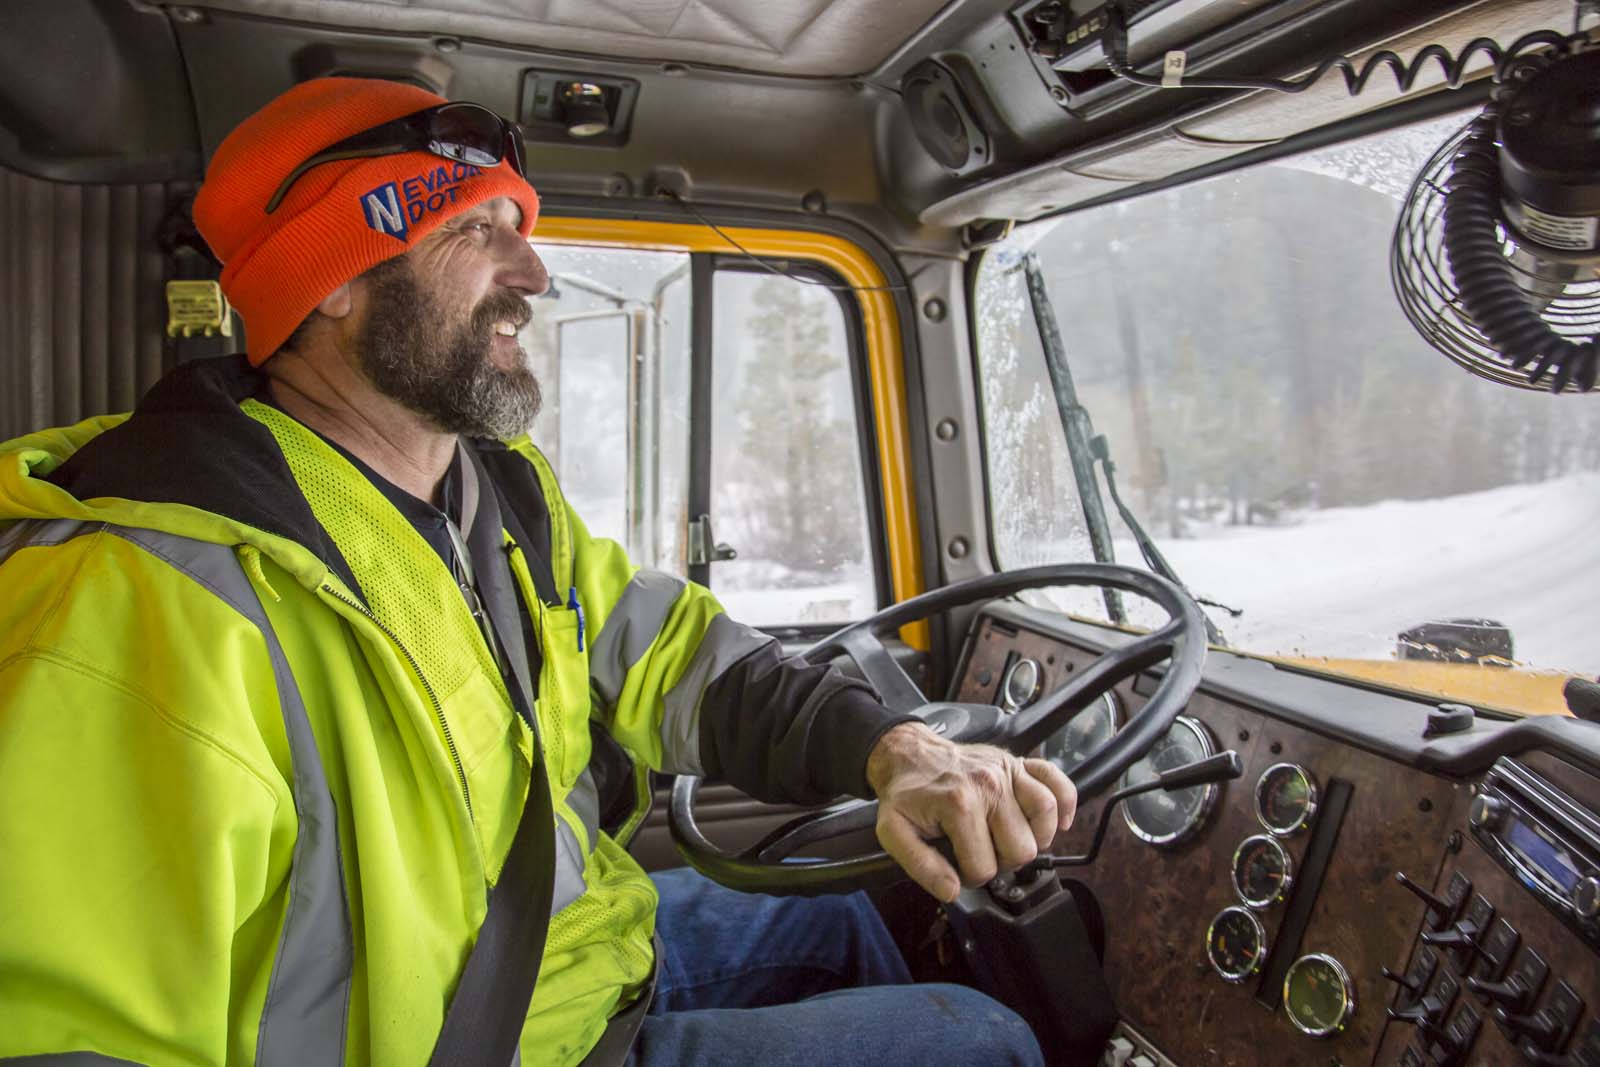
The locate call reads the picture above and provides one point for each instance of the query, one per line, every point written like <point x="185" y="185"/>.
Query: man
<point x="287" y="654"/>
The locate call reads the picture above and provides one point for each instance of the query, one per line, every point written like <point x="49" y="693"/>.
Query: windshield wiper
<point x="1147" y="548"/>
<point x="1084" y="446"/>
<point x="1075" y="423"/>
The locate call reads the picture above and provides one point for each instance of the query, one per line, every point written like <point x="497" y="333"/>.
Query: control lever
<point x="1425" y="1014"/>
<point x="1540" y="1027"/>
<point x="1224" y="766"/>
<point x="1410" y="985"/>
<point x="1439" y="909"/>
<point x="1513" y="994"/>
<point x="1463" y="934"/>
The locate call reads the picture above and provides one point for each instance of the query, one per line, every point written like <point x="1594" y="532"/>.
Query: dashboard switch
<point x="1426" y="1014"/>
<point x="1117" y="1052"/>
<point x="1440" y="909"/>
<point x="1466" y="933"/>
<point x="1527" y="976"/>
<point x="1498" y="948"/>
<point x="1415" y="981"/>
<point x="1587" y="1051"/>
<point x="1547" y="1029"/>
<point x="1451" y="1045"/>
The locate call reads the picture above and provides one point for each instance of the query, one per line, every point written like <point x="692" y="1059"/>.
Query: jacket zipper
<point x="438" y="709"/>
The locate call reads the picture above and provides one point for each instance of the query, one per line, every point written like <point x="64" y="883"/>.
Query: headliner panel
<point x="807" y="38"/>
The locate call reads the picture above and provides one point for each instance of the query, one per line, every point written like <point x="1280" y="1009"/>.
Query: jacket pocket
<point x="564" y="695"/>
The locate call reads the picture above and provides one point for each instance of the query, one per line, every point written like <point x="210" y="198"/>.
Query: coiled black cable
<point x="1114" y="42"/>
<point x="1490" y="295"/>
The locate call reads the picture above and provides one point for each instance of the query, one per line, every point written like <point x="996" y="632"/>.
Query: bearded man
<point x="321" y="711"/>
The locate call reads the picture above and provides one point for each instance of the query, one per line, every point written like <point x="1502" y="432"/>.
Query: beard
<point x="416" y="353"/>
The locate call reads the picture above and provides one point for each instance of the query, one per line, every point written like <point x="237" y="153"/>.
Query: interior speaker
<point x="943" y="120"/>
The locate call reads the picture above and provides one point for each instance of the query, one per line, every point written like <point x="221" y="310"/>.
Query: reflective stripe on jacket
<point x="258" y="767"/>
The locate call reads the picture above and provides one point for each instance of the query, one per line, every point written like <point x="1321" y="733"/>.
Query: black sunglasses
<point x="465" y="133"/>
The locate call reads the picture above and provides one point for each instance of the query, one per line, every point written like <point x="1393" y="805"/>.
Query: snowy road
<point x="1344" y="582"/>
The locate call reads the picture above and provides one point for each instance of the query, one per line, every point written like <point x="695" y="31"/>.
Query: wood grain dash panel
<point x="1158" y="903"/>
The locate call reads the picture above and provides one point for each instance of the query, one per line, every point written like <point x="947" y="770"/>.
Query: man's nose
<point x="523" y="269"/>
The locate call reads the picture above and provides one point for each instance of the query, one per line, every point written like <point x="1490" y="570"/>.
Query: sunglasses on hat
<point x="465" y="133"/>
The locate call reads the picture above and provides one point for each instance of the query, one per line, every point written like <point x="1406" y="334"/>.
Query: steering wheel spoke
<point x="1028" y="729"/>
<point x="806" y="830"/>
<point x="882" y="671"/>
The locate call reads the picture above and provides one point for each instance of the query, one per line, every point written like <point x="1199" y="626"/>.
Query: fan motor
<point x="1550" y="160"/>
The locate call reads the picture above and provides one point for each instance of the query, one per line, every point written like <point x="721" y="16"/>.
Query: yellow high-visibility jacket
<point x="259" y="768"/>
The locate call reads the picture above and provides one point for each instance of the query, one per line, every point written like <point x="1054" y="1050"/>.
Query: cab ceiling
<point x="792" y="106"/>
<point x="806" y="38"/>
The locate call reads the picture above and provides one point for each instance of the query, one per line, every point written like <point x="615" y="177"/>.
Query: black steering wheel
<point x="766" y="867"/>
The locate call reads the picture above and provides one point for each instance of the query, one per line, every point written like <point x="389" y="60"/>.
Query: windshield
<point x="1289" y="443"/>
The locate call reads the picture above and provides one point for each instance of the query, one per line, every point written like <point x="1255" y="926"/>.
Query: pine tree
<point x="795" y="459"/>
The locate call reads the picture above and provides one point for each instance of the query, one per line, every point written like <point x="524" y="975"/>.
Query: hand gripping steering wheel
<point x="766" y="867"/>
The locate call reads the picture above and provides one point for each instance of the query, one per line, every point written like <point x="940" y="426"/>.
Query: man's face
<point x="440" y="326"/>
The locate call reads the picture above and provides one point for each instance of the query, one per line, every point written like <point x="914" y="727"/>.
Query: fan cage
<point x="1426" y="289"/>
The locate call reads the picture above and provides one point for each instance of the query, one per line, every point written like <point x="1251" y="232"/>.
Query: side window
<point x="787" y="487"/>
<point x="610" y="345"/>
<point x="781" y="471"/>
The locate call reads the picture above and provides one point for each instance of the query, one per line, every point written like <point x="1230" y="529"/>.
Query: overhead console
<point x="1336" y="904"/>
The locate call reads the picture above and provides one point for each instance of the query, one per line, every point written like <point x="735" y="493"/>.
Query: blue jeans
<point x="749" y="979"/>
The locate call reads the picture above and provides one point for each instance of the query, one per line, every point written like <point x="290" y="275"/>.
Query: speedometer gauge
<point x="1261" y="870"/>
<point x="1084" y="733"/>
<point x="1165" y="818"/>
<point x="1235" y="943"/>
<point x="1286" y="798"/>
<point x="1317" y="995"/>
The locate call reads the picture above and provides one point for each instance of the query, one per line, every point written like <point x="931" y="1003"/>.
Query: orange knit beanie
<point x="340" y="218"/>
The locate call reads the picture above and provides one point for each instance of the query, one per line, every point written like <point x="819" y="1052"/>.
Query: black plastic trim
<point x="702" y="330"/>
<point x="1303" y="894"/>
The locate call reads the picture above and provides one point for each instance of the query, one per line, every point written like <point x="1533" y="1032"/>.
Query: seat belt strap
<point x="486" y="1015"/>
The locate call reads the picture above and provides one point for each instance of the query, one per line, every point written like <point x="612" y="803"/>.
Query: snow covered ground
<point x="1345" y="581"/>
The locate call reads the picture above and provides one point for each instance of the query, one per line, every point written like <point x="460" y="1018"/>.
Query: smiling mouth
<point x="505" y="329"/>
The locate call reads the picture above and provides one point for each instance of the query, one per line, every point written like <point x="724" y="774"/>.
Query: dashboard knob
<point x="1586" y="898"/>
<point x="1487" y="812"/>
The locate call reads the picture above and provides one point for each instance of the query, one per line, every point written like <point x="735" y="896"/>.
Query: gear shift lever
<point x="1224" y="766"/>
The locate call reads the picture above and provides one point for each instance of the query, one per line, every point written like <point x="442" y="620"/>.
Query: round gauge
<point x="1262" y="870"/>
<point x="1084" y="733"/>
<point x="1166" y="818"/>
<point x="1235" y="943"/>
<point x="1317" y="995"/>
<point x="1286" y="798"/>
<point x="1021" y="684"/>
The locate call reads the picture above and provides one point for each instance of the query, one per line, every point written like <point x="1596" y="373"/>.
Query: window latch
<point x="703" y="546"/>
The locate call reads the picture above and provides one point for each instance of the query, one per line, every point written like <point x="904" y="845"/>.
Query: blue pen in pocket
<point x="572" y="602"/>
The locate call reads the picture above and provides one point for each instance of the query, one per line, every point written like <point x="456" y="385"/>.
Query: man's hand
<point x="996" y="809"/>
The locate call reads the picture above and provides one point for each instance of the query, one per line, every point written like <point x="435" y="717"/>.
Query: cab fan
<point x="1496" y="255"/>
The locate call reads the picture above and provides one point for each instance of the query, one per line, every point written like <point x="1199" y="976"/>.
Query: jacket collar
<point x="188" y="443"/>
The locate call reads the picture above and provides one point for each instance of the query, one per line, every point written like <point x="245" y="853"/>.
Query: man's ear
<point x="337" y="304"/>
